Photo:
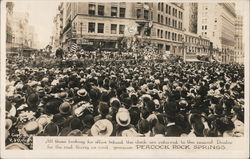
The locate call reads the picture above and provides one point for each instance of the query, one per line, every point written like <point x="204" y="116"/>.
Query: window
<point x="162" y="19"/>
<point x="215" y="20"/>
<point x="166" y="34"/>
<point x="166" y="8"/>
<point x="113" y="11"/>
<point x="205" y="33"/>
<point x="159" y="18"/>
<point x="159" y="6"/>
<point x="158" y="33"/>
<point x="169" y="21"/>
<point x="205" y="27"/>
<point x="122" y="12"/>
<point x="101" y="10"/>
<point x="138" y="13"/>
<point x="113" y="28"/>
<point x="169" y="9"/>
<point x="173" y="22"/>
<point x="100" y="28"/>
<point x="146" y="14"/>
<point x="166" y="20"/>
<point x="161" y="33"/>
<point x="173" y="12"/>
<point x="121" y="29"/>
<point x="91" y="27"/>
<point x="169" y="34"/>
<point x="162" y="7"/>
<point x="91" y="9"/>
<point x="173" y="36"/>
<point x="202" y="27"/>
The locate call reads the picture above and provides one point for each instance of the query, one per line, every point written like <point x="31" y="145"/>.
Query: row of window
<point x="196" y="50"/>
<point x="100" y="11"/>
<point x="175" y="36"/>
<point x="194" y="40"/>
<point x="168" y="22"/>
<point x="169" y="10"/>
<point x="204" y="27"/>
<point x="143" y="14"/>
<point x="100" y="28"/>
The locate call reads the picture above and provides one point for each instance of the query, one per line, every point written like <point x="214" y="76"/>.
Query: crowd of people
<point x="136" y="98"/>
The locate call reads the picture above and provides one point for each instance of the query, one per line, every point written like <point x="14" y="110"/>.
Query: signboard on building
<point x="84" y="42"/>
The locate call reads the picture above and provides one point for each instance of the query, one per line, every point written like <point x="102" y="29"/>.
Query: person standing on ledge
<point x="59" y="53"/>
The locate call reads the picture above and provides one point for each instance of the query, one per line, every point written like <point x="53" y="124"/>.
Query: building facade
<point x="55" y="39"/>
<point x="9" y="30"/>
<point x="217" y="22"/>
<point x="22" y="35"/>
<point x="196" y="44"/>
<point x="239" y="47"/>
<point x="191" y="17"/>
<point x="102" y="24"/>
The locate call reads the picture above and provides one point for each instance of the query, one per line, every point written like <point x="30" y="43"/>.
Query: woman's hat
<point x="65" y="108"/>
<point x="32" y="128"/>
<point x="123" y="117"/>
<point x="102" y="128"/>
<point x="82" y="92"/>
<point x="44" y="120"/>
<point x="16" y="146"/>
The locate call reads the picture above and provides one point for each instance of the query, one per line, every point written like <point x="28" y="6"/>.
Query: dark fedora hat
<point x="76" y="123"/>
<point x="51" y="129"/>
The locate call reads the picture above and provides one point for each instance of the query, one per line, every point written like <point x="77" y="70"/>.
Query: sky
<point x="42" y="13"/>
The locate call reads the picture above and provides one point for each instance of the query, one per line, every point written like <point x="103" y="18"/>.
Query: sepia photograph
<point x="123" y="69"/>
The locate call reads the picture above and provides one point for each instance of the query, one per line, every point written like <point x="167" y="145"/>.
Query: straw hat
<point x="102" y="128"/>
<point x="32" y="127"/>
<point x="123" y="117"/>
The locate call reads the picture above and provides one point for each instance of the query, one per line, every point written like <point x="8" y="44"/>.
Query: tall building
<point x="9" y="30"/>
<point x="239" y="47"/>
<point x="20" y="29"/>
<point x="102" y="24"/>
<point x="23" y="34"/>
<point x="55" y="39"/>
<point x="217" y="22"/>
<point x="191" y="17"/>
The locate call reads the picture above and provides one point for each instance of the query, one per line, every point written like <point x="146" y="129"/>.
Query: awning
<point x="193" y="60"/>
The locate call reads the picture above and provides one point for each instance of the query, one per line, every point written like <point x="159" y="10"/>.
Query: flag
<point x="73" y="48"/>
